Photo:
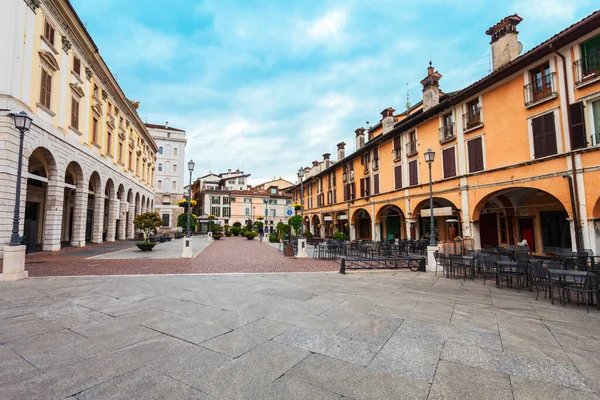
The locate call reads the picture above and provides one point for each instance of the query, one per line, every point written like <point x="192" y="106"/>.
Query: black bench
<point x="412" y="263"/>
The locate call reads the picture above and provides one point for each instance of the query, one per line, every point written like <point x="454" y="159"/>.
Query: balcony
<point x="344" y="177"/>
<point x="351" y="176"/>
<point x="375" y="164"/>
<point x="397" y="154"/>
<point x="411" y="148"/>
<point x="472" y="119"/>
<point x="588" y="68"/>
<point x="447" y="133"/>
<point x="540" y="90"/>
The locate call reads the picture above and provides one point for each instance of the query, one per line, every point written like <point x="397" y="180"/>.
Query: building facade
<point x="171" y="170"/>
<point x="88" y="160"/>
<point x="516" y="155"/>
<point x="268" y="206"/>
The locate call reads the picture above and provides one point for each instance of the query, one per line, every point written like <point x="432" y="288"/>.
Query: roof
<point x="163" y="127"/>
<point x="548" y="46"/>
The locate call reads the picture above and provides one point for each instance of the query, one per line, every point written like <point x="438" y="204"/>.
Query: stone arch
<point x="143" y="204"/>
<point x="341" y="222"/>
<point x="130" y="212"/>
<point x="148" y="209"/>
<point x="121" y="213"/>
<point x="596" y="210"/>
<point x="315" y="224"/>
<point x="392" y="222"/>
<point x="447" y="220"/>
<point x="110" y="218"/>
<point x="362" y="223"/>
<point x="44" y="196"/>
<point x="138" y="208"/>
<point x="74" y="206"/>
<point x="513" y="214"/>
<point x="94" y="221"/>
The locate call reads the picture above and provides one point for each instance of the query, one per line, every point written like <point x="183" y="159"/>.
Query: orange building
<point x="517" y="155"/>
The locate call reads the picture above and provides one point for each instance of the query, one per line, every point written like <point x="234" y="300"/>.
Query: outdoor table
<point x="468" y="261"/>
<point x="562" y="274"/>
<point x="512" y="266"/>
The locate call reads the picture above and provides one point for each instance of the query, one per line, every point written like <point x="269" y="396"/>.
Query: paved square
<point x="365" y="335"/>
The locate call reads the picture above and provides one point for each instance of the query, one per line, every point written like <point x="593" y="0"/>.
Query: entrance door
<point x="32" y="213"/>
<point x="88" y="225"/>
<point x="393" y="227"/>
<point x="488" y="230"/>
<point x="527" y="232"/>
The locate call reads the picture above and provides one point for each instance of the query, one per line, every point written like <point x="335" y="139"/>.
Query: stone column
<point x="98" y="227"/>
<point x="376" y="229"/>
<point x="122" y="234"/>
<point x="130" y="230"/>
<point x="55" y="196"/>
<point x="112" y="220"/>
<point x="408" y="233"/>
<point x="79" y="217"/>
<point x="352" y="231"/>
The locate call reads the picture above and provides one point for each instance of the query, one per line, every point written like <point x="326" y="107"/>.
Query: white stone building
<point x="88" y="160"/>
<point x="171" y="172"/>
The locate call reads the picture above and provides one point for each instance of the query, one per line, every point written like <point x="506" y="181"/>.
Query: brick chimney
<point x="341" y="150"/>
<point x="431" y="88"/>
<point x="360" y="138"/>
<point x="387" y="119"/>
<point x="505" y="44"/>
<point x="326" y="160"/>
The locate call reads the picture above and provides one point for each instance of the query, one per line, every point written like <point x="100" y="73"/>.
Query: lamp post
<point x="429" y="157"/>
<point x="22" y="123"/>
<point x="189" y="210"/>
<point x="301" y="176"/>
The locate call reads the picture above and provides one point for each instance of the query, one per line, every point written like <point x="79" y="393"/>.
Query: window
<point x="226" y="212"/>
<point x="95" y="92"/>
<point x="376" y="158"/>
<point x="166" y="220"/>
<point x="231" y="182"/>
<point x="398" y="177"/>
<point x="596" y="116"/>
<point x="74" y="113"/>
<point x="240" y="181"/>
<point x="376" y="184"/>
<point x="273" y="190"/>
<point x="109" y="142"/>
<point x="544" y="135"/>
<point x="589" y="64"/>
<point x="413" y="172"/>
<point x="225" y="200"/>
<point x="49" y="32"/>
<point x="449" y="162"/>
<point x="174" y="152"/>
<point x="475" y="149"/>
<point x="94" y="130"/>
<point x="247" y="211"/>
<point x="159" y="184"/>
<point x="216" y="211"/>
<point x="472" y="117"/>
<point x="174" y="185"/>
<point x="120" y="155"/>
<point x="174" y="168"/>
<point x="130" y="160"/>
<point x="541" y="83"/>
<point x="273" y="212"/>
<point x="215" y="199"/>
<point x="447" y="129"/>
<point x="160" y="168"/>
<point x="578" y="138"/>
<point x="411" y="146"/>
<point x="397" y="151"/>
<point x="45" y="89"/>
<point x="76" y="66"/>
<point x="247" y="200"/>
<point x="160" y="150"/>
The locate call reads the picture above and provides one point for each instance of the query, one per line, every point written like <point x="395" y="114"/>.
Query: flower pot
<point x="217" y="236"/>
<point x="145" y="246"/>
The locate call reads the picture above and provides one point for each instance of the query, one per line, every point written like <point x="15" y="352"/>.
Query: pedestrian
<point x="261" y="233"/>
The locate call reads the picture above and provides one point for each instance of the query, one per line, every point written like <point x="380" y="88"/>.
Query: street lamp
<point x="22" y="123"/>
<point x="189" y="210"/>
<point x="301" y="176"/>
<point x="429" y="157"/>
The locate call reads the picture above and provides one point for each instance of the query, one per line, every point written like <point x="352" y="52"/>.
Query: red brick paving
<point x="228" y="255"/>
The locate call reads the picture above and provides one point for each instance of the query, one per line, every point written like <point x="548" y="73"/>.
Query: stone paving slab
<point x="291" y="389"/>
<point x="170" y="250"/>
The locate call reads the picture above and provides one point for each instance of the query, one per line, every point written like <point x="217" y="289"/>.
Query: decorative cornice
<point x="104" y="95"/>
<point x="34" y="5"/>
<point x="88" y="73"/>
<point x="77" y="90"/>
<point x="66" y="44"/>
<point x="48" y="60"/>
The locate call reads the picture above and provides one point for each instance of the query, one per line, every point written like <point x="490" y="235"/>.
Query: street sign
<point x="289" y="211"/>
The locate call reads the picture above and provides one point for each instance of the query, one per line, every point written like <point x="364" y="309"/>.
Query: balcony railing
<point x="595" y="139"/>
<point x="472" y="118"/>
<point x="411" y="148"/>
<point x="397" y="154"/>
<point x="344" y="177"/>
<point x="540" y="89"/>
<point x="375" y="164"/>
<point x="587" y="68"/>
<point x="447" y="133"/>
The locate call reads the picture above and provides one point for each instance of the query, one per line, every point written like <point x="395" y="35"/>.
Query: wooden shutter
<point x="539" y="149"/>
<point x="376" y="184"/>
<point x="334" y="196"/>
<point x="367" y="186"/>
<point x="397" y="143"/>
<point x="549" y="134"/>
<point x="375" y="153"/>
<point x="578" y="139"/>
<point x="475" y="155"/>
<point x="449" y="162"/>
<point x="346" y="192"/>
<point x="328" y="180"/>
<point x="413" y="173"/>
<point x="398" y="177"/>
<point x="362" y="187"/>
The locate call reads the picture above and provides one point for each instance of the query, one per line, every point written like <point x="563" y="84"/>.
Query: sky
<point x="268" y="86"/>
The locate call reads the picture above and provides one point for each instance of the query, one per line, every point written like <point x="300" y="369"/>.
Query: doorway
<point x="526" y="232"/>
<point x="488" y="230"/>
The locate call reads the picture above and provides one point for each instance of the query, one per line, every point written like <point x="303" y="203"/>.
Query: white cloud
<point x="549" y="9"/>
<point x="329" y="26"/>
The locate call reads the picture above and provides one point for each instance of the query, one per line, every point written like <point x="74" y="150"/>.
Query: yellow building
<point x="88" y="160"/>
<point x="516" y="155"/>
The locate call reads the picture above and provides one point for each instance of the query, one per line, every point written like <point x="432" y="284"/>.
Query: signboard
<point x="327" y="218"/>
<point x="342" y="217"/>
<point x="289" y="211"/>
<point x="437" y="212"/>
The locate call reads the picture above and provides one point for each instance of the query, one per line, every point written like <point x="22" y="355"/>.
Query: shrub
<point x="296" y="223"/>
<point x="182" y="221"/>
<point x="308" y="235"/>
<point x="147" y="223"/>
<point x="250" y="235"/>
<point x="228" y="233"/>
<point x="236" y="230"/>
<point x="273" y="238"/>
<point x="244" y="230"/>
<point x="216" y="229"/>
<point x="340" y="236"/>
<point x="282" y="228"/>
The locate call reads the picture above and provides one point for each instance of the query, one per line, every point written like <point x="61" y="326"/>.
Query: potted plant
<point x="217" y="232"/>
<point x="184" y="204"/>
<point x="227" y="230"/>
<point x="147" y="223"/>
<point x="182" y="222"/>
<point x="236" y="231"/>
<point x="250" y="235"/>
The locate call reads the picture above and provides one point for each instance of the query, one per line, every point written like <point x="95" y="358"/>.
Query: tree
<point x="296" y="223"/>
<point x="147" y="223"/>
<point x="182" y="221"/>
<point x="282" y="228"/>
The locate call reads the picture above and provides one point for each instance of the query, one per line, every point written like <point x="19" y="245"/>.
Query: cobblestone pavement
<point x="364" y="335"/>
<point x="228" y="255"/>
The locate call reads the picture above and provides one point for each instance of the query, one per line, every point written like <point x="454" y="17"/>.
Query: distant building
<point x="270" y="204"/>
<point x="170" y="172"/>
<point x="280" y="184"/>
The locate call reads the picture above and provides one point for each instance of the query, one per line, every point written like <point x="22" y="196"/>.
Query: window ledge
<point x="45" y="40"/>
<point x="545" y="99"/>
<point x="45" y="109"/>
<point x="448" y="139"/>
<point x="587" y="82"/>
<point x="76" y="76"/>
<point x="473" y="128"/>
<point x="74" y="130"/>
<point x="96" y="144"/>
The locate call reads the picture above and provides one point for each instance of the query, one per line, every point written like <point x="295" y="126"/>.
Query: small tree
<point x="182" y="221"/>
<point x="296" y="223"/>
<point x="147" y="223"/>
<point x="282" y="228"/>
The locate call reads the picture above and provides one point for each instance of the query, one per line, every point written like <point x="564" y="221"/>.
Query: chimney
<point x="360" y="138"/>
<point x="341" y="152"/>
<point x="505" y="44"/>
<point x="387" y="119"/>
<point x="326" y="160"/>
<point x="431" y="88"/>
<point x="167" y="125"/>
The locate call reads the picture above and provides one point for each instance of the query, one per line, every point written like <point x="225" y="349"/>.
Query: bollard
<point x="343" y="266"/>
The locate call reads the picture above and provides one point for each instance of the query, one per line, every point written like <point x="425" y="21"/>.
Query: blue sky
<point x="269" y="86"/>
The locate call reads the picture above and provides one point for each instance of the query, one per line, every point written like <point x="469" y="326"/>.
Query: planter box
<point x="145" y="246"/>
<point x="217" y="236"/>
